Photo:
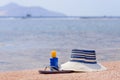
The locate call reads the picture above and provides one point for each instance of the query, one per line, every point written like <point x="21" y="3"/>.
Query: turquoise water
<point x="27" y="43"/>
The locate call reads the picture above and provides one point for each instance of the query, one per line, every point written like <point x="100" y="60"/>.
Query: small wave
<point x="3" y="62"/>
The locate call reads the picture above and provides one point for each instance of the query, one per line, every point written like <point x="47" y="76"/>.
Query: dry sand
<point x="112" y="73"/>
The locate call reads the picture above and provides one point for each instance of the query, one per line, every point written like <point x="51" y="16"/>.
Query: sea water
<point x="27" y="43"/>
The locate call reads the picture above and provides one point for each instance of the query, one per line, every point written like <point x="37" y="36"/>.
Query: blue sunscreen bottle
<point x="54" y="61"/>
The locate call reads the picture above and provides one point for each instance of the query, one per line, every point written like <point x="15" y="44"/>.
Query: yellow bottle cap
<point x="53" y="54"/>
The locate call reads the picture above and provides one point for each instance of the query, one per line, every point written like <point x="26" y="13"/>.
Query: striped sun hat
<point x="83" y="60"/>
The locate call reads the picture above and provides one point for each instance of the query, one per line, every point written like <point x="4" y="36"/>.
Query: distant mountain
<point x="13" y="9"/>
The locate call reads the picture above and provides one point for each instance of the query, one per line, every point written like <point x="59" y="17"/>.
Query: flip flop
<point x="55" y="72"/>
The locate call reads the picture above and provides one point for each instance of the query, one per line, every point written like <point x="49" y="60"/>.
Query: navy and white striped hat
<point x="85" y="56"/>
<point x="83" y="60"/>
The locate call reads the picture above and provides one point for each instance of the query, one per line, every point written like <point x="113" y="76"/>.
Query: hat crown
<point x="84" y="56"/>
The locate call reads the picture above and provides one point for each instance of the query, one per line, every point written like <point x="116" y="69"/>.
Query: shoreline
<point x="59" y="18"/>
<point x="112" y="73"/>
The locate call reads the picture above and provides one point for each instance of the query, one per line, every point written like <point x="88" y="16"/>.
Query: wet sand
<point x="112" y="73"/>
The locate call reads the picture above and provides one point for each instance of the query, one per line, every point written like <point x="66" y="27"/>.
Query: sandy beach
<point x="112" y="73"/>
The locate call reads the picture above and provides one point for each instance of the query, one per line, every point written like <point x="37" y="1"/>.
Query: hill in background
<point x="13" y="9"/>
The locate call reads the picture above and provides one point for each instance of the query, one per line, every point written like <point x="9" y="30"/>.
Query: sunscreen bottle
<point x="54" y="61"/>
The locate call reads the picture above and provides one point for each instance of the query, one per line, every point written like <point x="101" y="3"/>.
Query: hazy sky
<point x="74" y="7"/>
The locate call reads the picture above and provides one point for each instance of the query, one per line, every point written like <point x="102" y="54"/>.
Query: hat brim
<point x="85" y="67"/>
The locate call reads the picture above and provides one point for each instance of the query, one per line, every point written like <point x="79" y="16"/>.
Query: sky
<point x="74" y="7"/>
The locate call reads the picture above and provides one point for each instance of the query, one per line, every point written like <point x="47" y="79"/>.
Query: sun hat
<point x="83" y="60"/>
